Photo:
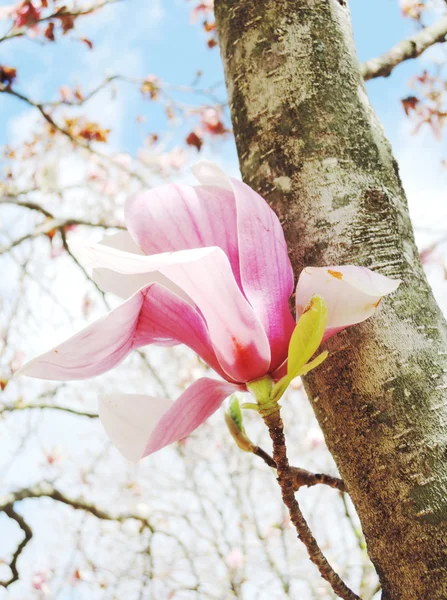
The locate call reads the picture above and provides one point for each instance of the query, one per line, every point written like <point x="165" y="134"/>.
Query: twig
<point x="46" y="490"/>
<point x="302" y="477"/>
<point x="51" y="225"/>
<point x="20" y="31"/>
<point x="412" y="47"/>
<point x="80" y="266"/>
<point x="6" y="89"/>
<point x="12" y="514"/>
<point x="44" y="406"/>
<point x="270" y="412"/>
<point x="25" y="204"/>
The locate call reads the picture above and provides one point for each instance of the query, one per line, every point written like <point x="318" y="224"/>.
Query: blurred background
<point x="99" y="99"/>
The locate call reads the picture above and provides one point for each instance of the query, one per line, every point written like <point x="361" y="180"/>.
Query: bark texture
<point x="310" y="143"/>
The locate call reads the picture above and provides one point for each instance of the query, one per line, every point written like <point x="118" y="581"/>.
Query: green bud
<point x="235" y="412"/>
<point x="234" y="421"/>
<point x="307" y="335"/>
<point x="305" y="340"/>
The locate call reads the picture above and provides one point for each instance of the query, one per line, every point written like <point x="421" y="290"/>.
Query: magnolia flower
<point x="208" y="267"/>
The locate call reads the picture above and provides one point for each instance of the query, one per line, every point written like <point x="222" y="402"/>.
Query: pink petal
<point x="128" y="420"/>
<point x="125" y="286"/>
<point x="205" y="275"/>
<point x="154" y="315"/>
<point x="141" y="425"/>
<point x="181" y="217"/>
<point x="166" y="319"/>
<point x="266" y="272"/>
<point x="94" y="350"/>
<point x="352" y="294"/>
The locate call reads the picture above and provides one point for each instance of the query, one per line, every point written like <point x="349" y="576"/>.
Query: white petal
<point x="352" y="294"/>
<point x="124" y="286"/>
<point x="207" y="173"/>
<point x="128" y="420"/>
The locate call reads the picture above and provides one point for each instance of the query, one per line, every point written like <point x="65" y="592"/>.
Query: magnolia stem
<point x="270" y="412"/>
<point x="303" y="477"/>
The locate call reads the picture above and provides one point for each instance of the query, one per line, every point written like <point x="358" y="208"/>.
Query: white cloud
<point x="21" y="127"/>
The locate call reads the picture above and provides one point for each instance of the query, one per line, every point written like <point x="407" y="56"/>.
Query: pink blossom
<point x="235" y="559"/>
<point x="39" y="582"/>
<point x="202" y="9"/>
<point x="211" y="122"/>
<point x="27" y="14"/>
<point x="208" y="267"/>
<point x="314" y="438"/>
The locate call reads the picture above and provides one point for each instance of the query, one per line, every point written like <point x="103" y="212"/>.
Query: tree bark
<point x="310" y="143"/>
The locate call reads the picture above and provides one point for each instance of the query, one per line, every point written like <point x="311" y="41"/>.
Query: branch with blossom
<point x="43" y="18"/>
<point x="207" y="120"/>
<point x="427" y="106"/>
<point x="223" y="289"/>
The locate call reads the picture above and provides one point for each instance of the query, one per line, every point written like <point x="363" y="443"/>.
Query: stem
<point x="302" y="477"/>
<point x="270" y="412"/>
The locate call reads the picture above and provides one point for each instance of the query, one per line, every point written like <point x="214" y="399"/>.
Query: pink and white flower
<point x="205" y="266"/>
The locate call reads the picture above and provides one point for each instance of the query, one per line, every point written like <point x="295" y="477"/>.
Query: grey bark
<point x="310" y="143"/>
<point x="407" y="49"/>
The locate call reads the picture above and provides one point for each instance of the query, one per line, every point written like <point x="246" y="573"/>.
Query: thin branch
<point x="79" y="265"/>
<point x="46" y="490"/>
<point x="62" y="12"/>
<point x="44" y="406"/>
<point x="412" y="47"/>
<point x="302" y="477"/>
<point x="6" y="89"/>
<point x="25" y="204"/>
<point x="51" y="225"/>
<point x="28" y="534"/>
<point x="272" y="418"/>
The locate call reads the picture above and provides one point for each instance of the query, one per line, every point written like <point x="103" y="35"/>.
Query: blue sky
<point x="139" y="37"/>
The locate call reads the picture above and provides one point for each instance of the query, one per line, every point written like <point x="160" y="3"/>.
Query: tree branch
<point x="302" y="477"/>
<point x="46" y="490"/>
<point x="41" y="107"/>
<point x="412" y="47"/>
<point x="45" y="406"/>
<point x="62" y="12"/>
<point x="79" y="265"/>
<point x="272" y="419"/>
<point x="51" y="225"/>
<point x="28" y="534"/>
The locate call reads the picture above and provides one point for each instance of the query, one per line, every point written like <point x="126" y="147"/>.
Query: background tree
<point x="202" y="520"/>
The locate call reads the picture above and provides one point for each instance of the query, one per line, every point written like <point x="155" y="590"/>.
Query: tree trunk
<point x="310" y="143"/>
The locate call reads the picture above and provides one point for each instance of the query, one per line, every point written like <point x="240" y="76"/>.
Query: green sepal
<point x="235" y="412"/>
<point x="305" y="340"/>
<point x="307" y="335"/>
<point x="283" y="383"/>
<point x="235" y="424"/>
<point x="316" y="362"/>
